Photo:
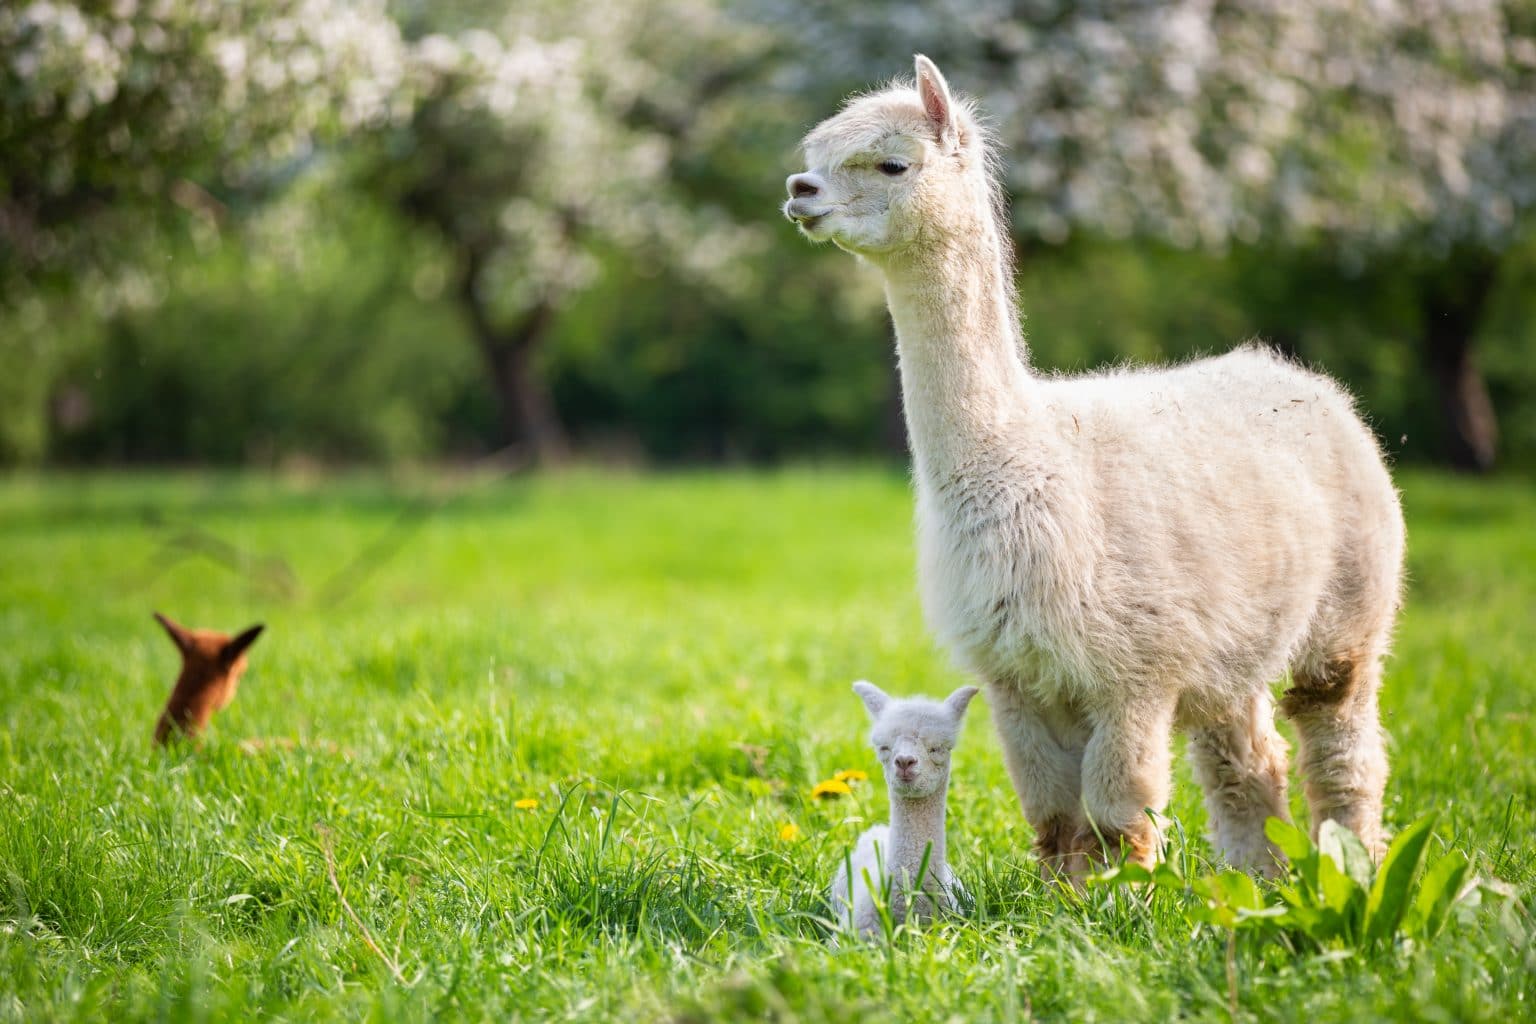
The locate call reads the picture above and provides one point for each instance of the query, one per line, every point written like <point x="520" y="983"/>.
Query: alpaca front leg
<point x="1045" y="766"/>
<point x="1126" y="773"/>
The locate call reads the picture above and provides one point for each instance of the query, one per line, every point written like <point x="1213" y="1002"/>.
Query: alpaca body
<point x="904" y="865"/>
<point x="1092" y="547"/>
<point x="1121" y="553"/>
<point x="1109" y="581"/>
<point x="875" y="863"/>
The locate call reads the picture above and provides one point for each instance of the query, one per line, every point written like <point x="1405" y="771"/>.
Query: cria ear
<point x="176" y="633"/>
<point x="875" y="699"/>
<point x="237" y="646"/>
<point x="937" y="103"/>
<point x="960" y="700"/>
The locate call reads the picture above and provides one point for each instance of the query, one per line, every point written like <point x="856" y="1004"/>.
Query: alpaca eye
<point x="884" y="751"/>
<point x="892" y="168"/>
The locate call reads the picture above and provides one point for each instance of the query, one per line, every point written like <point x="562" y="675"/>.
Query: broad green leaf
<point x="1391" y="893"/>
<point x="1293" y="895"/>
<point x="1292" y="841"/>
<point x="1275" y="913"/>
<point x="1337" y="889"/>
<point x="1166" y="876"/>
<point x="1298" y="849"/>
<point x="1347" y="851"/>
<point x="1128" y="873"/>
<point x="1235" y="889"/>
<point x="1230" y="899"/>
<point x="1213" y="912"/>
<point x="1331" y="925"/>
<point x="1437" y="895"/>
<point x="1307" y="914"/>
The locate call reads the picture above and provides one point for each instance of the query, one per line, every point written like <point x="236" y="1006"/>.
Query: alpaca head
<point x="896" y="171"/>
<point x="914" y="737"/>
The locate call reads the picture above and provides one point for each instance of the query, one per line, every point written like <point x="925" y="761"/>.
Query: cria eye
<point x="892" y="167"/>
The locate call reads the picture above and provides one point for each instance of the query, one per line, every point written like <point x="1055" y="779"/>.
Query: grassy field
<point x="663" y="664"/>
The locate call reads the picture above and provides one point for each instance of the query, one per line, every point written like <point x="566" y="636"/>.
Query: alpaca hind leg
<point x="1044" y="764"/>
<point x="1342" y="752"/>
<point x="1125" y="775"/>
<point x="1240" y="763"/>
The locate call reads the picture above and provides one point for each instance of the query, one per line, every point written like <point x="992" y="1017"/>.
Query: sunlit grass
<point x="560" y="739"/>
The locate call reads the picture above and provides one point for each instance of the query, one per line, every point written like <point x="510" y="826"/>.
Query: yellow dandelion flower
<point x="830" y="789"/>
<point x="527" y="803"/>
<point x="789" y="832"/>
<point x="850" y="775"/>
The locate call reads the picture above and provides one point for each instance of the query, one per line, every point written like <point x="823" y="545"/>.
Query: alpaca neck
<point x="963" y="369"/>
<point x="917" y="831"/>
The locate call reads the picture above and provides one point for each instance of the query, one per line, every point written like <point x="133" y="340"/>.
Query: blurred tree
<point x="115" y="112"/>
<point x="314" y="330"/>
<point x="1398" y="135"/>
<point x="124" y="125"/>
<point x="546" y="141"/>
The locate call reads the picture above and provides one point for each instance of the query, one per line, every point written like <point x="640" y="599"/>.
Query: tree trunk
<point x="526" y="417"/>
<point x="1452" y="307"/>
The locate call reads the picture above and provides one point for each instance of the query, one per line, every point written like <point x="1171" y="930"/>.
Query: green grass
<point x="663" y="662"/>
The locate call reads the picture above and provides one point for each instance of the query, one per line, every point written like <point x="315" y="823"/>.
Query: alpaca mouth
<point x="807" y="218"/>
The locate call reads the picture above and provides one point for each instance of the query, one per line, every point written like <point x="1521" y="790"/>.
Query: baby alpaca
<point x="211" y="666"/>
<point x="913" y="738"/>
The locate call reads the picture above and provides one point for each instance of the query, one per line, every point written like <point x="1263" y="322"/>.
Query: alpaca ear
<point x="938" y="104"/>
<point x="176" y="633"/>
<point x="960" y="700"/>
<point x="237" y="646"/>
<point x="874" y="698"/>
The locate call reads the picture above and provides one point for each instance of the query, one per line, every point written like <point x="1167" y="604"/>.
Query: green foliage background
<point x="339" y="343"/>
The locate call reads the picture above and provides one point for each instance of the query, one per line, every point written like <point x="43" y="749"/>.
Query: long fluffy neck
<point x="917" y="829"/>
<point x="963" y="369"/>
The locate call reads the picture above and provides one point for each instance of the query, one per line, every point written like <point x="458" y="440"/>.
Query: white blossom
<point x="1368" y="122"/>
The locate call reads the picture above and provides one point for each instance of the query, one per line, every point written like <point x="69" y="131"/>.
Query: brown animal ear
<point x="237" y="646"/>
<point x="177" y="634"/>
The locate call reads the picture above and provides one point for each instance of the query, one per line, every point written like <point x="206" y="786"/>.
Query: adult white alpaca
<point x="906" y="861"/>
<point x="1120" y="553"/>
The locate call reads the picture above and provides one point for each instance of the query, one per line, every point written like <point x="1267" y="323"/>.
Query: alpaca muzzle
<point x="806" y="212"/>
<point x="807" y="200"/>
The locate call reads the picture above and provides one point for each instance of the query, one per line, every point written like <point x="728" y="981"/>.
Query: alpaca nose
<point x="803" y="186"/>
<point x="906" y="762"/>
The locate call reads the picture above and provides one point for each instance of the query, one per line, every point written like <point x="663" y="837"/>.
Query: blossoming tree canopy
<point x="1376" y="130"/>
<point x="526" y="139"/>
<point x="546" y="141"/>
<point x="106" y="106"/>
